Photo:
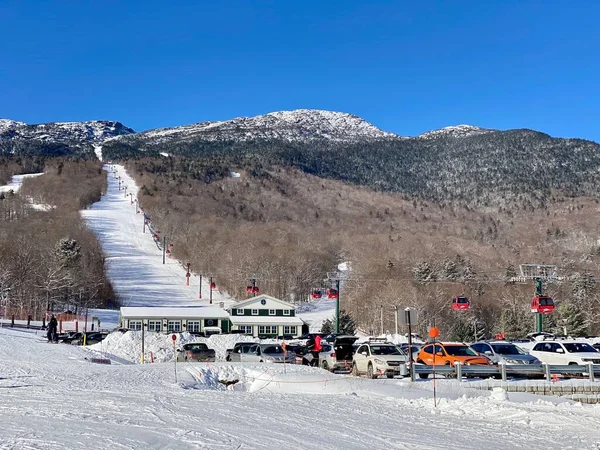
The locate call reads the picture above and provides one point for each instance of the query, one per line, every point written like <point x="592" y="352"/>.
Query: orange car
<point x="448" y="354"/>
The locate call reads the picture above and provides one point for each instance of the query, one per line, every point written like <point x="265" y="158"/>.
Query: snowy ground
<point x="52" y="397"/>
<point x="16" y="182"/>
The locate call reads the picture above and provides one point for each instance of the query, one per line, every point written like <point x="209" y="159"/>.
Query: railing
<point x="504" y="371"/>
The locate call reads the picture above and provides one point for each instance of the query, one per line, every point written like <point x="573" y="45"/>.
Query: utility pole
<point x="145" y="220"/>
<point x="396" y="319"/>
<point x="336" y="276"/>
<point x="381" y="318"/>
<point x="210" y="290"/>
<point x="164" y="249"/>
<point x="188" y="275"/>
<point x="200" y="288"/>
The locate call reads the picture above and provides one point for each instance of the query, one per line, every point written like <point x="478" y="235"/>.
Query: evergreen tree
<point x="570" y="320"/>
<point x="347" y="324"/>
<point x="516" y="321"/>
<point x="423" y="272"/>
<point x="68" y="252"/>
<point x="449" y="270"/>
<point x="510" y="272"/>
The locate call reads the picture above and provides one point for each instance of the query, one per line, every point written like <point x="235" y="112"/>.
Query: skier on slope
<point x="52" y="329"/>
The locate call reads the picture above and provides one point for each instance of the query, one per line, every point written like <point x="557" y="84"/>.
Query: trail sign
<point x="408" y="316"/>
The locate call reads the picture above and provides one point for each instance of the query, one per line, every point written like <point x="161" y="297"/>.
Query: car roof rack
<point x="379" y="340"/>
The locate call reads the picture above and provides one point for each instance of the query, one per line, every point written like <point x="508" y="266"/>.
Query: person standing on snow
<point x="52" y="328"/>
<point x="317" y="348"/>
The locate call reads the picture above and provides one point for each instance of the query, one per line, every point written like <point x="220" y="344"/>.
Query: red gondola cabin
<point x="316" y="294"/>
<point x="255" y="290"/>
<point x="542" y="304"/>
<point x="460" y="303"/>
<point x="248" y="288"/>
<point x="332" y="293"/>
<point x="213" y="286"/>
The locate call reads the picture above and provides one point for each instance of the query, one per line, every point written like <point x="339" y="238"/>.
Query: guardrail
<point x="504" y="371"/>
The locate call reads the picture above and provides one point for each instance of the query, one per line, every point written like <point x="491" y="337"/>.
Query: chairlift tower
<point x="539" y="273"/>
<point x="336" y="277"/>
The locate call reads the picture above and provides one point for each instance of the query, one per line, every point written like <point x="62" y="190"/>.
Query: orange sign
<point x="434" y="332"/>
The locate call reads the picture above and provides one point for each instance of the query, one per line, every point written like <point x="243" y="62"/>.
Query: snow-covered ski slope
<point x="52" y="397"/>
<point x="134" y="260"/>
<point x="16" y="182"/>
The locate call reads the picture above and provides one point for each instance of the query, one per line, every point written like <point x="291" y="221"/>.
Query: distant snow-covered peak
<point x="90" y="131"/>
<point x="8" y="124"/>
<point x="455" y="131"/>
<point x="297" y="125"/>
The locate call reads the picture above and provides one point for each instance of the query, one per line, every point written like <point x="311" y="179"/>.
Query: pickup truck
<point x="196" y="351"/>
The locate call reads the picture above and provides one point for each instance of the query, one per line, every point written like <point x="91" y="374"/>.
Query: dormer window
<point x="255" y="312"/>
<point x="286" y="312"/>
<point x="240" y="312"/>
<point x="271" y="312"/>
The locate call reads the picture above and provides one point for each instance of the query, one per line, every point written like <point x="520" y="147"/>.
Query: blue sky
<point x="406" y="66"/>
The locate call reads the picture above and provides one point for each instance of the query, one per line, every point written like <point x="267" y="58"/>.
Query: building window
<point x="286" y="312"/>
<point x="246" y="329"/>
<point x="240" y="312"/>
<point x="193" y="326"/>
<point x="154" y="325"/>
<point x="291" y="329"/>
<point x="271" y="312"/>
<point x="255" y="312"/>
<point x="174" y="326"/>
<point x="267" y="329"/>
<point x="135" y="325"/>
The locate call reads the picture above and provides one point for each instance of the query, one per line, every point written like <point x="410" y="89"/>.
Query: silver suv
<point x="376" y="357"/>
<point x="502" y="352"/>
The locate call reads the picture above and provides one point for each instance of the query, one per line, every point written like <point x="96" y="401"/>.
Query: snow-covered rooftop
<point x="171" y="312"/>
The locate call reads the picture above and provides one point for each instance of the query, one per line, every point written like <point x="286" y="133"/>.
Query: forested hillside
<point x="517" y="169"/>
<point x="49" y="260"/>
<point x="288" y="229"/>
<point x="420" y="220"/>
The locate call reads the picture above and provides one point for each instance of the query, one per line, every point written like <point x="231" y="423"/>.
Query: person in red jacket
<point x="317" y="348"/>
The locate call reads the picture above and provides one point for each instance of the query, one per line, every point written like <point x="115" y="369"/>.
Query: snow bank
<point x="158" y="347"/>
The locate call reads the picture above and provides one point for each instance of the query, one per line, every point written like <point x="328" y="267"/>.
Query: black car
<point x="77" y="338"/>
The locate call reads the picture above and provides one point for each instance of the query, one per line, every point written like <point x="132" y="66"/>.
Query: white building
<point x="174" y="320"/>
<point x="265" y="316"/>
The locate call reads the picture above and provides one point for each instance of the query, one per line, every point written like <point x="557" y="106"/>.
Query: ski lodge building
<point x="260" y="316"/>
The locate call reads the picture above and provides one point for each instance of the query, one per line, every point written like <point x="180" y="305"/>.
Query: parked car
<point x="502" y="352"/>
<point x="415" y="349"/>
<point x="239" y="351"/>
<point x="76" y="338"/>
<point x="299" y="350"/>
<point x="448" y="354"/>
<point x="335" y="355"/>
<point x="567" y="352"/>
<point x="195" y="351"/>
<point x="268" y="353"/>
<point x="377" y="357"/>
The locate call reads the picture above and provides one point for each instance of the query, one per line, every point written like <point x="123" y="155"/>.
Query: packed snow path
<point x="51" y="397"/>
<point x="134" y="260"/>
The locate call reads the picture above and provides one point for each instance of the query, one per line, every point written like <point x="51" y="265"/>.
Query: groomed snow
<point x="134" y="260"/>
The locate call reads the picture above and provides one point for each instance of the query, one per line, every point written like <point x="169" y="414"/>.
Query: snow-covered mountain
<point x="298" y="125"/>
<point x="456" y="131"/>
<point x="62" y="132"/>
